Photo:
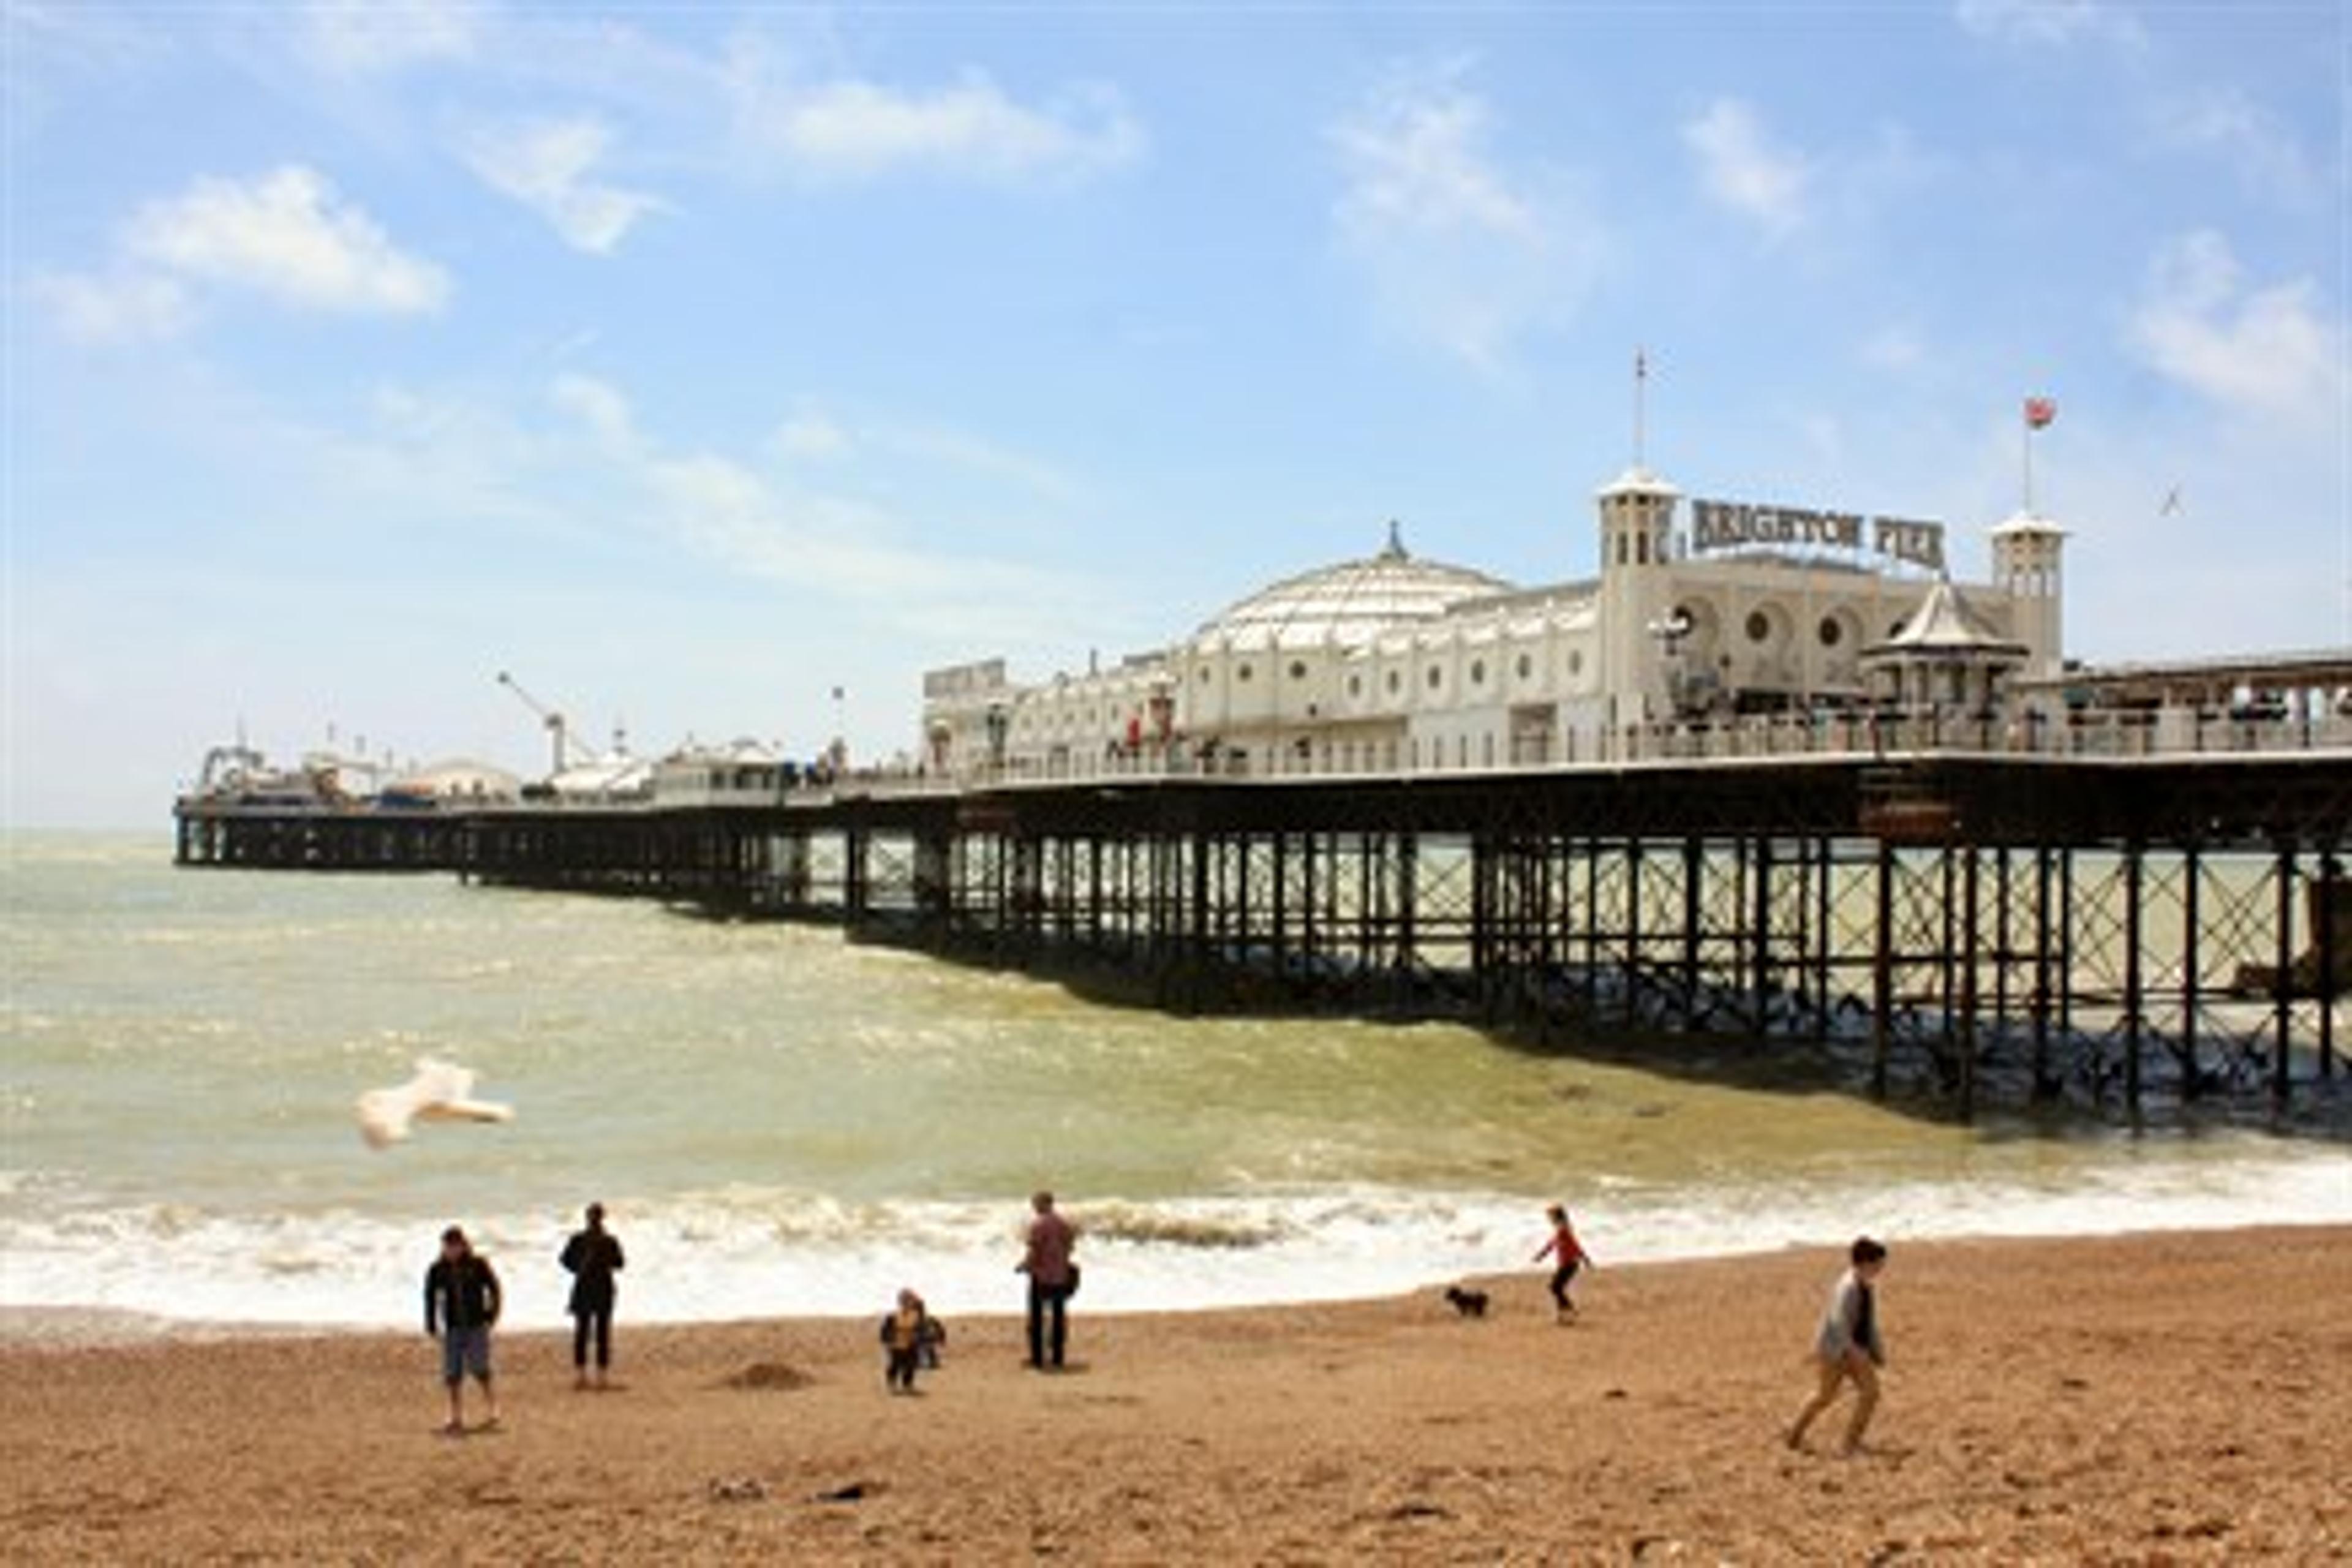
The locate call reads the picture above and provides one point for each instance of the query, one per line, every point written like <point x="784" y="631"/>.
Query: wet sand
<point x="2177" y="1397"/>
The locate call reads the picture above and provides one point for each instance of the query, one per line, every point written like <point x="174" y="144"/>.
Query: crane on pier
<point x="564" y="749"/>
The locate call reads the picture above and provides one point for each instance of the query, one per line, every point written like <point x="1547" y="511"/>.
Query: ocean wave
<point x="749" y="1252"/>
<point x="1151" y="1226"/>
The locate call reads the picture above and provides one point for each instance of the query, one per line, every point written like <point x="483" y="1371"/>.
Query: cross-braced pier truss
<point x="1970" y="927"/>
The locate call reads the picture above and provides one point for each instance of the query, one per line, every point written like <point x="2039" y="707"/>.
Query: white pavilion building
<point x="1710" y="613"/>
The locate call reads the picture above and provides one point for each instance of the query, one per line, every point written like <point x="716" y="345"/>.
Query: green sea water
<point x="783" y="1120"/>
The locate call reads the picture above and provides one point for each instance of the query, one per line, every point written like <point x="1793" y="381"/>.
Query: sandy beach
<point x="2176" y="1397"/>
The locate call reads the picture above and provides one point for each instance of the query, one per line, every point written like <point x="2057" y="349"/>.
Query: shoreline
<point x="2175" y="1393"/>
<point x="69" y="1326"/>
<point x="101" y="1326"/>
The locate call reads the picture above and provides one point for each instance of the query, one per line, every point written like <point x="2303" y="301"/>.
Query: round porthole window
<point x="1831" y="633"/>
<point x="1297" y="670"/>
<point x="1759" y="625"/>
<point x="1242" y="673"/>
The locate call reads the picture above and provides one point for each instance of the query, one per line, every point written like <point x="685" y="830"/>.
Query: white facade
<point x="1392" y="663"/>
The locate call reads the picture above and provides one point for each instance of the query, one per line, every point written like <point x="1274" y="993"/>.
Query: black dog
<point x="1469" y="1304"/>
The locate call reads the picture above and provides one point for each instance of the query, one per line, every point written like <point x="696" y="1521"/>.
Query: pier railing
<point x="2126" y="732"/>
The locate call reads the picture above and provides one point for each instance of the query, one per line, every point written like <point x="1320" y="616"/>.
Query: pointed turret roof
<point x="1637" y="480"/>
<point x="2026" y="522"/>
<point x="1944" y="626"/>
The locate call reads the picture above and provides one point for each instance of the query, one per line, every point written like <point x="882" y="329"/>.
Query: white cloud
<point x="1742" y="169"/>
<point x="810" y="435"/>
<point x="1457" y="250"/>
<point x="2258" y="149"/>
<point x="2272" y="350"/>
<point x="600" y="407"/>
<point x="285" y="234"/>
<point x="126" y="306"/>
<point x="962" y="450"/>
<point x="2048" y="22"/>
<point x="1416" y="160"/>
<point x="359" y="37"/>
<point x="1893" y="348"/>
<point x="545" y="166"/>
<point x="852" y="129"/>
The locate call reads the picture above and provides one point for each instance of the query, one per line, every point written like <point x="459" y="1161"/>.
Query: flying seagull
<point x="441" y="1091"/>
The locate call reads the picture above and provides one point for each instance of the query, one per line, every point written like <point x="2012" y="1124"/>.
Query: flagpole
<point x="1640" y="384"/>
<point x="2029" y="466"/>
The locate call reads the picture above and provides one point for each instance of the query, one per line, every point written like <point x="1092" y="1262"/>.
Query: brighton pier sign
<point x="1731" y="525"/>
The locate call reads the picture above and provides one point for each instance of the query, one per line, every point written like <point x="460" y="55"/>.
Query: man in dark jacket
<point x="461" y="1305"/>
<point x="591" y="1258"/>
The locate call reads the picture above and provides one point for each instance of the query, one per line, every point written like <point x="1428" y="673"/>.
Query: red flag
<point x="2040" y="411"/>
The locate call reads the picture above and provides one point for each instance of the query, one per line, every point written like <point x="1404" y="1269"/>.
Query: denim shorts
<point x="463" y="1351"/>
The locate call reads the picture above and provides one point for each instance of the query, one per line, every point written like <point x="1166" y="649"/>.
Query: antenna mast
<point x="1641" y="387"/>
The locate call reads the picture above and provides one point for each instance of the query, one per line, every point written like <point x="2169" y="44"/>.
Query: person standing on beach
<point x="1052" y="1279"/>
<point x="461" y="1306"/>
<point x="1848" y="1348"/>
<point x="591" y="1258"/>
<point x="905" y="1332"/>
<point x="1566" y="1253"/>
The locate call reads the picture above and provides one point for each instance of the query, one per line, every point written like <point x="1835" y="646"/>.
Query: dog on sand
<point x="1467" y="1303"/>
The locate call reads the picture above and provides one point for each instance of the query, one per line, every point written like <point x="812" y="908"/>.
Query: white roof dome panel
<point x="1349" y="604"/>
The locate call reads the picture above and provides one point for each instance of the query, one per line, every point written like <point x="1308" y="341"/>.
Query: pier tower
<point x="2026" y="564"/>
<point x="1637" y="512"/>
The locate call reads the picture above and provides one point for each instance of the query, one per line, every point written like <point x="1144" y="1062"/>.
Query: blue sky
<point x="690" y="361"/>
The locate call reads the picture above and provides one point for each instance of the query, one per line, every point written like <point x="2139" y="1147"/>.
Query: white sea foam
<point x="747" y="1252"/>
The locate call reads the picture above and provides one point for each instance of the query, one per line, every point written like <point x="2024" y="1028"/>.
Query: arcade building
<point x="1705" y="613"/>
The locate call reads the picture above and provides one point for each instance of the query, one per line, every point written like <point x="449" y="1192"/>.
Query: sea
<point x="780" y="1121"/>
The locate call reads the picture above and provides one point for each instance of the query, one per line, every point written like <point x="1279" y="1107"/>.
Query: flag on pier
<point x="2040" y="411"/>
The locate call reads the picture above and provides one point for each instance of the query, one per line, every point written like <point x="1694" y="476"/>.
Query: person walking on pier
<point x="1053" y="1280"/>
<point x="1567" y="1253"/>
<point x="1848" y="1347"/>
<point x="461" y="1307"/>
<point x="591" y="1258"/>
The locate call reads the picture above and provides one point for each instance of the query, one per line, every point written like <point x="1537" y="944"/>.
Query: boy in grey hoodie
<point x="1848" y="1347"/>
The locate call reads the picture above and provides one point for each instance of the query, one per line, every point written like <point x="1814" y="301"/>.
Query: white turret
<point x="2027" y="553"/>
<point x="1637" y="515"/>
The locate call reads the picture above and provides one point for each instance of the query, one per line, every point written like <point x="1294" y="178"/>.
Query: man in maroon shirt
<point x="1053" y="1278"/>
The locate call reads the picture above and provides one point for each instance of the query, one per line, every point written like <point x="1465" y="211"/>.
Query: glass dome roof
<point x="1349" y="604"/>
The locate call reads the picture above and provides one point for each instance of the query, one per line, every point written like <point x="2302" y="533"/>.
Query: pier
<point x="1978" y="928"/>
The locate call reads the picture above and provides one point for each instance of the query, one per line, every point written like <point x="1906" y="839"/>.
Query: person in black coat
<point x="461" y="1306"/>
<point x="591" y="1258"/>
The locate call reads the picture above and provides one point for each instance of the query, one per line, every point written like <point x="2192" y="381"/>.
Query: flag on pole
<point x="2040" y="411"/>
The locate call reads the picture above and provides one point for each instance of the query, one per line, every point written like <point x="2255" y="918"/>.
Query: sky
<point x="693" y="363"/>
